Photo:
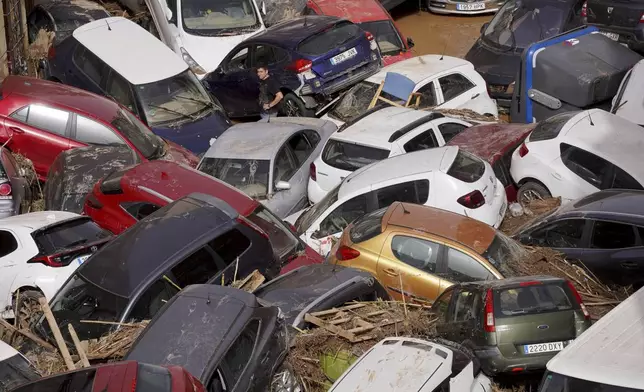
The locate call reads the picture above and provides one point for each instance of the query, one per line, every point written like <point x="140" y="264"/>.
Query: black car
<point x="196" y="239"/>
<point x="619" y="20"/>
<point x="319" y="287"/>
<point x="496" y="55"/>
<point x="604" y="230"/>
<point x="223" y="336"/>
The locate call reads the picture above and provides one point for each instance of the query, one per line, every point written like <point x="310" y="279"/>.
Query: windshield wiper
<point x="184" y="115"/>
<point x="206" y="103"/>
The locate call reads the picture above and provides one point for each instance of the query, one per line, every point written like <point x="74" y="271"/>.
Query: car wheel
<point x="531" y="191"/>
<point x="294" y="107"/>
<point x="27" y="307"/>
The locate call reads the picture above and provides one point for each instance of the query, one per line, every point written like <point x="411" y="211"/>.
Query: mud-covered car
<point x="15" y="368"/>
<point x="62" y="17"/>
<point x="225" y="337"/>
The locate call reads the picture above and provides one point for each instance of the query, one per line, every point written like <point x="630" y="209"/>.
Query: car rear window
<point x="368" y="226"/>
<point x="550" y="128"/>
<point x="329" y="39"/>
<point x="466" y="167"/>
<point x="65" y="235"/>
<point x="350" y="156"/>
<point x="151" y="378"/>
<point x="533" y="298"/>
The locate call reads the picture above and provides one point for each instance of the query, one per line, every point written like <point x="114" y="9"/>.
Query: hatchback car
<point x="169" y="98"/>
<point x="417" y="251"/>
<point x="196" y="239"/>
<point x="126" y="196"/>
<point x="574" y="154"/>
<point x="513" y="325"/>
<point x="378" y="134"/>
<point x="622" y="22"/>
<point x="15" y="368"/>
<point x="15" y="192"/>
<point x="443" y="177"/>
<point x="312" y="57"/>
<point x="269" y="161"/>
<point x="43" y="118"/>
<point x="443" y="82"/>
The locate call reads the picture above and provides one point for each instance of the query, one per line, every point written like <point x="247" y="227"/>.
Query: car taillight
<point x="50" y="261"/>
<point x="489" y="312"/>
<point x="93" y="202"/>
<point x="5" y="190"/>
<point x="51" y="53"/>
<point x="345" y="253"/>
<point x="523" y="150"/>
<point x="642" y="18"/>
<point x="251" y="225"/>
<point x="579" y="300"/>
<point x="472" y="200"/>
<point x="313" y="172"/>
<point x="300" y="65"/>
<point x="369" y="35"/>
<point x="584" y="10"/>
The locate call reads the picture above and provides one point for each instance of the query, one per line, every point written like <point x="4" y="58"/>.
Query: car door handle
<point x="556" y="175"/>
<point x="628" y="265"/>
<point x="16" y="130"/>
<point x="475" y="95"/>
<point x="390" y="272"/>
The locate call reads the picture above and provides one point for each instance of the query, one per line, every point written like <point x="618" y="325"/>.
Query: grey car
<point x="269" y="161"/>
<point x="15" y="194"/>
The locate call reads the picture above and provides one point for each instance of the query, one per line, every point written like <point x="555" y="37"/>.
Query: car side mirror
<point x="410" y="43"/>
<point x="484" y="27"/>
<point x="282" y="186"/>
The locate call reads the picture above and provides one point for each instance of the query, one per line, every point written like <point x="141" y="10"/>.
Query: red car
<point x="119" y="377"/>
<point x="41" y="118"/>
<point x="495" y="143"/>
<point x="371" y="16"/>
<point x="122" y="198"/>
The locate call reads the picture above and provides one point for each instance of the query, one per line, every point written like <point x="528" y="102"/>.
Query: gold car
<point x="420" y="251"/>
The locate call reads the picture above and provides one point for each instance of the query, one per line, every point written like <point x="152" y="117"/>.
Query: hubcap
<point x="291" y="109"/>
<point x="529" y="195"/>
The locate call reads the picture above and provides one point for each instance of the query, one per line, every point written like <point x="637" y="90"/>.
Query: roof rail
<point x="414" y="124"/>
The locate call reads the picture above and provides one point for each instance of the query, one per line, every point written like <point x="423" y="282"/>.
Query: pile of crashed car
<point x="375" y="198"/>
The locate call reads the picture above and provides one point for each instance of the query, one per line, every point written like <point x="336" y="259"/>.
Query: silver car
<point x="269" y="161"/>
<point x="15" y="194"/>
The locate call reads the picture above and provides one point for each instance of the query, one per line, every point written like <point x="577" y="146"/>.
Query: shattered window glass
<point x="356" y="101"/>
<point x="563" y="234"/>
<point x="454" y="85"/>
<point x="219" y="18"/>
<point x="248" y="175"/>
<point x="386" y="36"/>
<point x="239" y="354"/>
<point x="350" y="156"/>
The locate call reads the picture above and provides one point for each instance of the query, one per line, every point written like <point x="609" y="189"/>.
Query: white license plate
<point x="470" y="7"/>
<point x="344" y="56"/>
<point x="308" y="75"/>
<point x="542" y="347"/>
<point x="613" y="36"/>
<point x="80" y="260"/>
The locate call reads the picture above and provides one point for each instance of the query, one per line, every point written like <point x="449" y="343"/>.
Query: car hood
<point x="208" y="52"/>
<point x="178" y="154"/>
<point x="495" y="66"/>
<point x="196" y="135"/>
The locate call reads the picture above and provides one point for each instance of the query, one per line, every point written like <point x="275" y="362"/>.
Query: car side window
<point x="612" y="235"/>
<point x="623" y="180"/>
<point x="8" y="243"/>
<point x="454" y="85"/>
<point x="313" y="137"/>
<point x="269" y="55"/>
<point x="139" y="210"/>
<point x="239" y="61"/>
<point x="464" y="307"/>
<point x="301" y="147"/>
<point x="119" y="89"/>
<point x="88" y="63"/>
<point x="198" y="268"/>
<point x="441" y="306"/>
<point x="449" y="130"/>
<point x="94" y="133"/>
<point x="427" y="95"/>
<point x="230" y="245"/>
<point x="407" y="192"/>
<point x="563" y="234"/>
<point x="284" y="167"/>
<point x="344" y="214"/>
<point x="153" y="299"/>
<point x="239" y="354"/>
<point x="586" y="165"/>
<point x="422" y="141"/>
<point x="463" y="268"/>
<point x="45" y="118"/>
<point x="418" y="253"/>
<point x="501" y="172"/>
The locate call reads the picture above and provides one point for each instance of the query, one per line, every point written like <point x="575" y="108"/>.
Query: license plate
<point x="344" y="56"/>
<point x="308" y="75"/>
<point x="80" y="260"/>
<point x="542" y="347"/>
<point x="613" y="36"/>
<point x="470" y="7"/>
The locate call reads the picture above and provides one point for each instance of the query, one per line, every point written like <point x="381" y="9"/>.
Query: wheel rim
<point x="292" y="110"/>
<point x="29" y="310"/>
<point x="529" y="195"/>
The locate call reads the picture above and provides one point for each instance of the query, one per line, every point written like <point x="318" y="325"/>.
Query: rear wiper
<point x="173" y="111"/>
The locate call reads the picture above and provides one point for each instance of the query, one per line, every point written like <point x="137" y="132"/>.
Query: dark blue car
<point x="313" y="57"/>
<point x="119" y="59"/>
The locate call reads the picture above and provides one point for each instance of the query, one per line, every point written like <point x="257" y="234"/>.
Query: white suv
<point x="378" y="134"/>
<point x="442" y="177"/>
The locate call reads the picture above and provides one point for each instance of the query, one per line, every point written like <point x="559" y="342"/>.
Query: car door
<point x="285" y="169"/>
<point x="460" y="266"/>
<point x="455" y="90"/>
<point x="578" y="172"/>
<point x="235" y="84"/>
<point x="40" y="133"/>
<point x="86" y="70"/>
<point x="566" y="235"/>
<point x="9" y="252"/>
<point x="464" y="318"/>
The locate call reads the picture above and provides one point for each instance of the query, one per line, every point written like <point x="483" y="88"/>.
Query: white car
<point x="414" y="365"/>
<point x="444" y="82"/>
<point x="15" y="368"/>
<point x="442" y="177"/>
<point x="202" y="32"/>
<point x="39" y="251"/>
<point x="627" y="102"/>
<point x="573" y="154"/>
<point x="382" y="133"/>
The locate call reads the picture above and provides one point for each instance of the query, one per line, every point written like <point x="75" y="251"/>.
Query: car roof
<point x="416" y="162"/>
<point x="611" y="351"/>
<point x="193" y="326"/>
<point x="37" y="220"/>
<point x="81" y="10"/>
<point x="61" y="96"/>
<point x="377" y="127"/>
<point x="607" y="202"/>
<point x="511" y="282"/>
<point x="6" y="351"/>
<point x="421" y="67"/>
<point x="174" y="181"/>
<point x="130" y="50"/>
<point x="153" y="244"/>
<point x="469" y="232"/>
<point x="291" y="32"/>
<point x="491" y="141"/>
<point x="357" y="10"/>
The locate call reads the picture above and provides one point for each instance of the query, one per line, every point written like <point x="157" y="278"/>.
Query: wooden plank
<point x="331" y="328"/>
<point x="336" y="310"/>
<point x="376" y="95"/>
<point x="27" y="334"/>
<point x="340" y="321"/>
<point x="79" y="347"/>
<point x="57" y="335"/>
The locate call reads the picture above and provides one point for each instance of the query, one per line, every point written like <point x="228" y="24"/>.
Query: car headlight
<point x="194" y="66"/>
<point x="285" y="381"/>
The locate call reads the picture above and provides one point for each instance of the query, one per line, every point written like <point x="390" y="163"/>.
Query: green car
<point x="513" y="325"/>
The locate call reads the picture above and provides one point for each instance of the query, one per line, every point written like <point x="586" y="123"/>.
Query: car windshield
<point x="356" y="101"/>
<point x="503" y="251"/>
<point x="177" y="99"/>
<point x="248" y="175"/>
<point x="386" y="35"/>
<point x="555" y="382"/>
<point x="309" y="216"/>
<point x="228" y="17"/>
<point x="149" y="144"/>
<point x="519" y="24"/>
<point x="350" y="156"/>
<point x="283" y="240"/>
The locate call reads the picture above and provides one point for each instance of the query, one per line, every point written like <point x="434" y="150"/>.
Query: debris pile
<point x="28" y="171"/>
<point x="531" y="211"/>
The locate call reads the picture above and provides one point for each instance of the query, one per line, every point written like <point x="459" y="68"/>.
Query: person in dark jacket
<point x="270" y="95"/>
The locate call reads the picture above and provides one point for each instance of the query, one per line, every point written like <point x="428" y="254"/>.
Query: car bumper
<point x="494" y="363"/>
<point x="343" y="81"/>
<point x="315" y="192"/>
<point x="439" y="7"/>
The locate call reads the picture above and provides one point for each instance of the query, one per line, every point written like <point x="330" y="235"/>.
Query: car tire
<point x="26" y="307"/>
<point x="293" y="106"/>
<point x="531" y="191"/>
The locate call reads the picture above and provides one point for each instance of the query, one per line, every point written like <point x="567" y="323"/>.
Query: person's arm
<point x="275" y="89"/>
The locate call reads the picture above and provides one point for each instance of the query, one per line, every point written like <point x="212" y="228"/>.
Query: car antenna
<point x="444" y="48"/>
<point x="404" y="209"/>
<point x="208" y="300"/>
<point x="108" y="25"/>
<point x="591" y="119"/>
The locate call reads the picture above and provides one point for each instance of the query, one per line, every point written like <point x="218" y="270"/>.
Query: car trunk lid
<point x="620" y="13"/>
<point x="475" y="172"/>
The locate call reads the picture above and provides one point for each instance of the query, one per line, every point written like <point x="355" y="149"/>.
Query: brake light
<point x="642" y="18"/>
<point x="5" y="189"/>
<point x="584" y="10"/>
<point x="523" y="150"/>
<point x="313" y="172"/>
<point x="345" y="253"/>
<point x="531" y="283"/>
<point x="489" y="312"/>
<point x="300" y="65"/>
<point x="252" y="226"/>
<point x="579" y="300"/>
<point x="50" y="261"/>
<point x="369" y="36"/>
<point x="51" y="53"/>
<point x="472" y="200"/>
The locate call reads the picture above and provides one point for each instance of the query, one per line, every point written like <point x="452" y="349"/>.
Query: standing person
<point x="269" y="93"/>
